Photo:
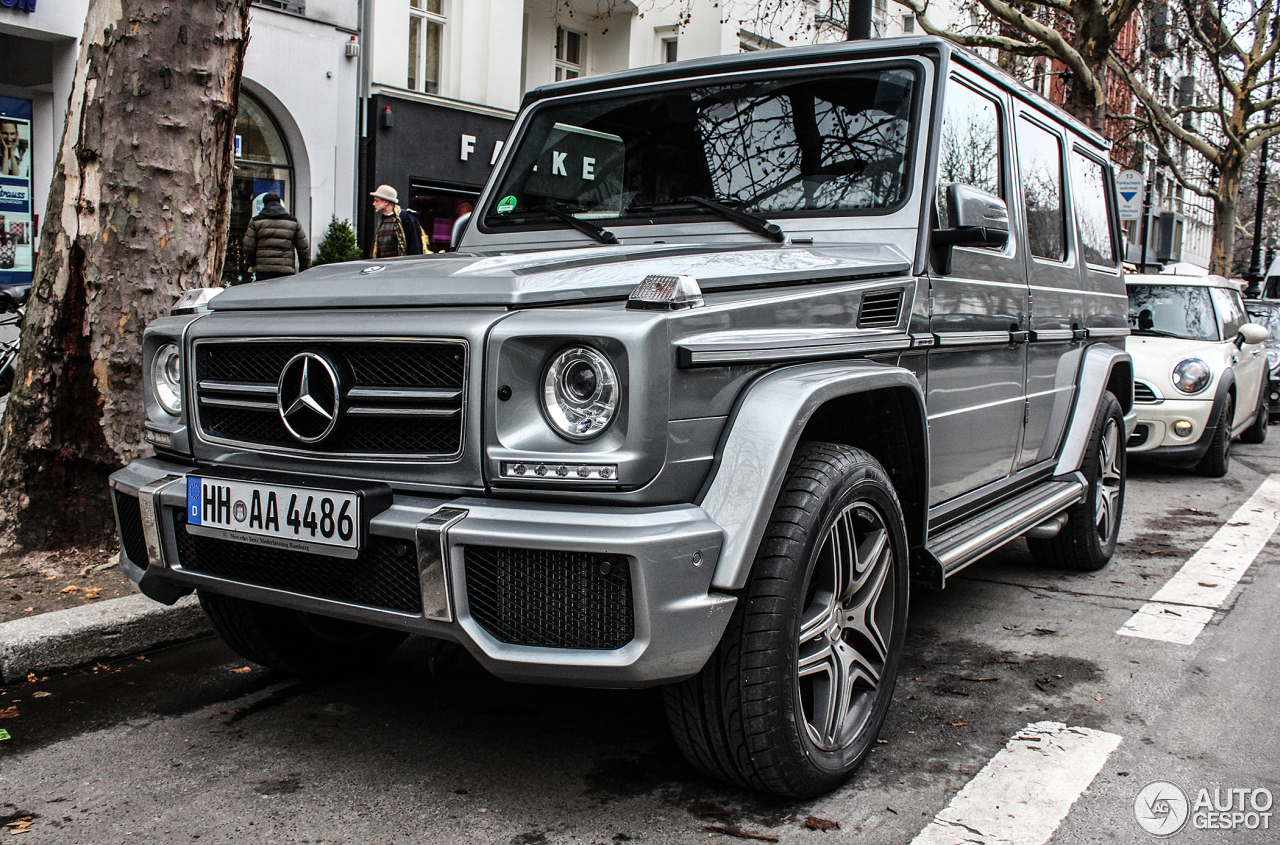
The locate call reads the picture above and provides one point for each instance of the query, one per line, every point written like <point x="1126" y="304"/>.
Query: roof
<point x="815" y="54"/>
<point x="1183" y="281"/>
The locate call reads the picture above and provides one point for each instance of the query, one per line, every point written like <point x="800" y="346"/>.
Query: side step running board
<point x="961" y="545"/>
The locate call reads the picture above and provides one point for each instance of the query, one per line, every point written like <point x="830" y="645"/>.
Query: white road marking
<point x="1024" y="792"/>
<point x="1182" y="607"/>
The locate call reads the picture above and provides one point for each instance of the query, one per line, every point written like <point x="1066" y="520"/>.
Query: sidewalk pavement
<point x="64" y="639"/>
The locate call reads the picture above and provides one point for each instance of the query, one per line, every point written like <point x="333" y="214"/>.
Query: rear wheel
<point x="1217" y="460"/>
<point x="296" y="642"/>
<point x="799" y="686"/>
<point x="1088" y="540"/>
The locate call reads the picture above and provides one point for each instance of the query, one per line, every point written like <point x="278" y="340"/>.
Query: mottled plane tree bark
<point x="137" y="214"/>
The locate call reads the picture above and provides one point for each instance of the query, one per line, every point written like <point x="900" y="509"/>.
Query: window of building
<point x="262" y="165"/>
<point x="1040" y="166"/>
<point x="571" y="53"/>
<point x="426" y="31"/>
<point x="296" y="6"/>
<point x="908" y="24"/>
<point x="669" y="52"/>
<point x="438" y="209"/>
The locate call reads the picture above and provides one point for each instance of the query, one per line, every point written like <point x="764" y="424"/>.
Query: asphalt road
<point x="191" y="745"/>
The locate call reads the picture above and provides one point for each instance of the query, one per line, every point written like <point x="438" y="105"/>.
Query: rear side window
<point x="969" y="152"/>
<point x="1088" y="189"/>
<point x="1040" y="166"/>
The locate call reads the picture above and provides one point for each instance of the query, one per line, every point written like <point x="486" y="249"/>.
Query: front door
<point x="977" y="368"/>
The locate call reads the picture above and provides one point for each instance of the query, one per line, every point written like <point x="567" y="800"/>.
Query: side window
<point x="969" y="149"/>
<point x="1230" y="311"/>
<point x="1040" y="166"/>
<point x="1088" y="189"/>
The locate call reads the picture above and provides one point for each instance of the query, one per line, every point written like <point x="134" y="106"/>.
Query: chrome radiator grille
<point x="398" y="398"/>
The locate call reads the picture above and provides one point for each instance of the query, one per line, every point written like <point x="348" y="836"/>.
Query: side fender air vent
<point x="880" y="310"/>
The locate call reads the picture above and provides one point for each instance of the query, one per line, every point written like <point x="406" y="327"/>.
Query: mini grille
<point x="1139" y="436"/>
<point x="385" y="575"/>
<point x="880" y="310"/>
<point x="1143" y="392"/>
<point x="400" y="398"/>
<point x="132" y="539"/>
<point x="553" y="599"/>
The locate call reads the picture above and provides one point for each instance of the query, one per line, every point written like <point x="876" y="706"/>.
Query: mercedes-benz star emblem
<point x="309" y="397"/>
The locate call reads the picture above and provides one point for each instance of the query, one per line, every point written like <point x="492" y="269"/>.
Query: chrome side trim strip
<point x="149" y="506"/>
<point x="1038" y="336"/>
<point x="432" y="537"/>
<point x="972" y="338"/>
<point x="718" y="354"/>
<point x="1108" y="333"/>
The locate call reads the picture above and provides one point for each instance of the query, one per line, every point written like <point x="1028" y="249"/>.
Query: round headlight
<point x="166" y="378"/>
<point x="1191" y="375"/>
<point x="580" y="393"/>
<point x="1273" y="358"/>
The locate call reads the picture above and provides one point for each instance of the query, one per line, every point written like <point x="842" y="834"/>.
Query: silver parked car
<point x="732" y="353"/>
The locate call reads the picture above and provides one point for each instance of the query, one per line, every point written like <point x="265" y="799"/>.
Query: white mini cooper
<point x="1199" y="370"/>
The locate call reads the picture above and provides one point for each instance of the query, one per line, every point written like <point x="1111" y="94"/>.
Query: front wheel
<point x="1088" y="540"/>
<point x="795" y="694"/>
<point x="1257" y="430"/>
<point x="1217" y="461"/>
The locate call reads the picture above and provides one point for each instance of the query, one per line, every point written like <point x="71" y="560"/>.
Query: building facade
<point x="296" y="133"/>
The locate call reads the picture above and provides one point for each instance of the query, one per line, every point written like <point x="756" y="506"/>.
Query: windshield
<point x="1172" y="311"/>
<point x="1268" y="318"/>
<point x="836" y="143"/>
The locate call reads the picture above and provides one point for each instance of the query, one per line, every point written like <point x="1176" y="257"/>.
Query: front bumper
<point x="1154" y="435"/>
<point x="671" y="552"/>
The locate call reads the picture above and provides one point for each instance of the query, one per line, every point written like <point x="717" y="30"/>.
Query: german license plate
<point x="289" y="518"/>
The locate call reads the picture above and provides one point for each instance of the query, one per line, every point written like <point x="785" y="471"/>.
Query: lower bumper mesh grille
<point x="132" y="540"/>
<point x="1139" y="436"/>
<point x="385" y="575"/>
<point x="553" y="599"/>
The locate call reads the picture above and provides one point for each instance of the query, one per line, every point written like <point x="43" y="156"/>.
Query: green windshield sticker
<point x="506" y="204"/>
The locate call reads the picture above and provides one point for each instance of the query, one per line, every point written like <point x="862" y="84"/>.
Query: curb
<point x="103" y="630"/>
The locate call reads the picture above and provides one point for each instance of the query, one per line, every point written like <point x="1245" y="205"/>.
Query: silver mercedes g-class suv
<point x="732" y="353"/>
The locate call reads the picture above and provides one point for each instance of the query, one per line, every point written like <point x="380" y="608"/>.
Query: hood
<point x="559" y="276"/>
<point x="1155" y="357"/>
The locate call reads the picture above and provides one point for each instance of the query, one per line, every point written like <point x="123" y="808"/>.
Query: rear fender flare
<point x="1101" y="362"/>
<point x="762" y="437"/>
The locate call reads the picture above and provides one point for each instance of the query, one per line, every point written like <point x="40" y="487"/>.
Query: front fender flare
<point x="1099" y="362"/>
<point x="762" y="437"/>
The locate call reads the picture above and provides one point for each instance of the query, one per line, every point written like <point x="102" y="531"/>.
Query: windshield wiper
<point x="1154" y="332"/>
<point x="750" y="222"/>
<point x="591" y="230"/>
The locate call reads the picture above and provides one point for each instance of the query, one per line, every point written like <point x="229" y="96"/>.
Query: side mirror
<point x="459" y="226"/>
<point x="978" y="218"/>
<point x="1251" y="333"/>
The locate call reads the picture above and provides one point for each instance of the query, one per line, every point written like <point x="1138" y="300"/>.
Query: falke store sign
<point x="20" y="5"/>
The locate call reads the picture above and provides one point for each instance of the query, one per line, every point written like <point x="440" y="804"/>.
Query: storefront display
<point x="17" y="230"/>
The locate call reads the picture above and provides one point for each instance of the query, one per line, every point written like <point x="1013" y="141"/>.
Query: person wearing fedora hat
<point x="396" y="230"/>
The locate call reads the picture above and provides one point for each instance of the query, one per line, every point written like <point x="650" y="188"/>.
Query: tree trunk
<point x="137" y="214"/>
<point x="1224" y="221"/>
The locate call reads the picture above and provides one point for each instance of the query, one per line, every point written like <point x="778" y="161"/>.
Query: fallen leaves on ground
<point x="242" y="670"/>
<point x="741" y="834"/>
<point x="815" y="823"/>
<point x="22" y="825"/>
<point x="9" y="712"/>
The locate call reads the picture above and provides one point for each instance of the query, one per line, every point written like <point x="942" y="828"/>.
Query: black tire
<point x="1088" y="540"/>
<point x="296" y="642"/>
<point x="1257" y="430"/>
<point x="752" y="716"/>
<point x="1217" y="460"/>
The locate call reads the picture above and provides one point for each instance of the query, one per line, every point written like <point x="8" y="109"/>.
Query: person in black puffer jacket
<point x="271" y="240"/>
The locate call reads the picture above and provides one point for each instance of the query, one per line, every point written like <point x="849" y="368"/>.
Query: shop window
<point x="262" y="165"/>
<point x="438" y="209"/>
<point x="571" y="53"/>
<point x="426" y="32"/>
<point x="295" y="6"/>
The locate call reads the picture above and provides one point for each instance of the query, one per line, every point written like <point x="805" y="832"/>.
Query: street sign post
<point x="1129" y="194"/>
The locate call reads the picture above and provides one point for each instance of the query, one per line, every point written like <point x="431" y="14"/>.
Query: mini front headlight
<point x="1191" y="375"/>
<point x="1273" y="359"/>
<point x="580" y="393"/>
<point x="166" y="378"/>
